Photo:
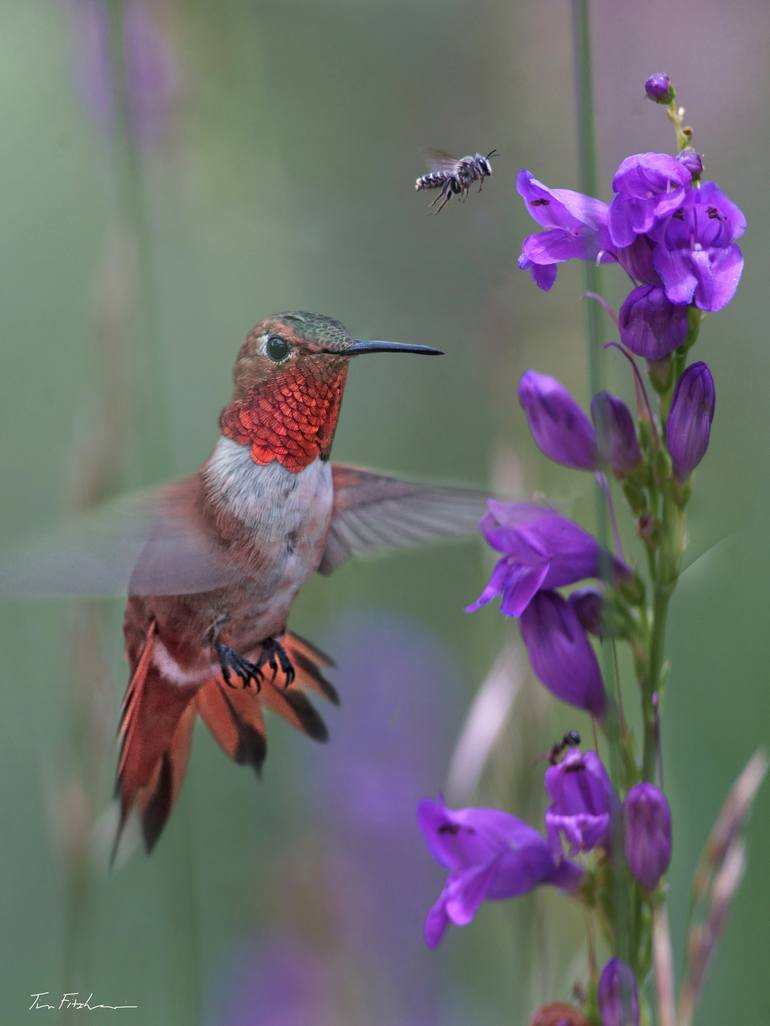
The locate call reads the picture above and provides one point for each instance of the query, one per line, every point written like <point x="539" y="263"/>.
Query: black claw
<point x="230" y="660"/>
<point x="274" y="655"/>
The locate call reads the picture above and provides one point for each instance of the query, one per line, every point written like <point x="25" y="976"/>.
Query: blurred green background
<point x="174" y="171"/>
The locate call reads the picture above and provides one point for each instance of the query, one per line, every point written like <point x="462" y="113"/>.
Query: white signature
<point x="72" y="999"/>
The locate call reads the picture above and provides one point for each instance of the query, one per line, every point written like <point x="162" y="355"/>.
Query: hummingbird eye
<point x="277" y="348"/>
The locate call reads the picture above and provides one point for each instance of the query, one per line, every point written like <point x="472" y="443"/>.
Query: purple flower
<point x="689" y="421"/>
<point x="558" y="425"/>
<point x="582" y="802"/>
<point x="282" y="982"/>
<point x="649" y="186"/>
<point x="618" y="995"/>
<point x="647" y="834"/>
<point x="658" y="88"/>
<point x="615" y="432"/>
<point x="693" y="161"/>
<point x="542" y="550"/>
<point x="490" y="856"/>
<point x="576" y="229"/>
<point x="561" y="654"/>
<point x="650" y="325"/>
<point x="151" y="78"/>
<point x="696" y="256"/>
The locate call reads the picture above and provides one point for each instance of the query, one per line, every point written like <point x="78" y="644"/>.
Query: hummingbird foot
<point x="231" y="662"/>
<point x="274" y="655"/>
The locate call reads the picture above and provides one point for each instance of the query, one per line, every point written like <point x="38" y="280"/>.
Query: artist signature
<point x="47" y="1002"/>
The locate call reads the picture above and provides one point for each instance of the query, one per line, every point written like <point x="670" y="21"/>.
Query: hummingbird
<point x="205" y="623"/>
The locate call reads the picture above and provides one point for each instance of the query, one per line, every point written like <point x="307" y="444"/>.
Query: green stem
<point x="653" y="680"/>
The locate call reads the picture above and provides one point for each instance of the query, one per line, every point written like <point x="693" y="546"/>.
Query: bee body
<point x="454" y="177"/>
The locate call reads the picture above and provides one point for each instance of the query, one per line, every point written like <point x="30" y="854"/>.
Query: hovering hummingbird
<point x="229" y="549"/>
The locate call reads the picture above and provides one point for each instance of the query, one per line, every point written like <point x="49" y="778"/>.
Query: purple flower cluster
<point x="542" y="551"/>
<point x="674" y="237"/>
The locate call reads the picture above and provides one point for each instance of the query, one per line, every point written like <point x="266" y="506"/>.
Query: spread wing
<point x="152" y="543"/>
<point x="440" y="160"/>
<point x="372" y="511"/>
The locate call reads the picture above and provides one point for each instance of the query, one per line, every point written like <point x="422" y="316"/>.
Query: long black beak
<point x="361" y="346"/>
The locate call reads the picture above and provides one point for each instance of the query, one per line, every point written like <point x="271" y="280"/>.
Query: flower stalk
<point x="675" y="238"/>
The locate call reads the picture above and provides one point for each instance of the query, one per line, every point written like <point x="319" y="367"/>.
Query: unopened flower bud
<point x="615" y="433"/>
<point x="618" y="995"/>
<point x="650" y="325"/>
<point x="693" y="161"/>
<point x="561" y="654"/>
<point x="689" y="422"/>
<point x="647" y="834"/>
<point x="658" y="88"/>
<point x="558" y="425"/>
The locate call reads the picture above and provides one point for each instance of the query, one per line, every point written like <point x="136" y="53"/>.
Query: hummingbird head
<point x="289" y="377"/>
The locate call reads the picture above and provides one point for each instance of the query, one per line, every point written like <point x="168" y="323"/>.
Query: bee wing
<point x="439" y="160"/>
<point x="150" y="543"/>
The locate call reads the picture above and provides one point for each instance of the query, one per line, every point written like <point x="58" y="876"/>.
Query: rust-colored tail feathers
<point x="157" y="721"/>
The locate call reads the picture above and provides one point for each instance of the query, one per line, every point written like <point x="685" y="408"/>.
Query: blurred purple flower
<point x="560" y="428"/>
<point x="688" y="427"/>
<point x="647" y="833"/>
<point x="696" y="256"/>
<point x="561" y="654"/>
<point x="283" y="983"/>
<point x="542" y="550"/>
<point x="402" y="701"/>
<point x="576" y="229"/>
<point x="618" y="996"/>
<point x="582" y="803"/>
<point x="490" y="856"/>
<point x="650" y="325"/>
<point x="150" y="74"/>
<point x="648" y="187"/>
<point x="615" y="432"/>
<point x="658" y="88"/>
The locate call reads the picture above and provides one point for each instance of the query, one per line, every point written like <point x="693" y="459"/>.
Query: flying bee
<point x="454" y="177"/>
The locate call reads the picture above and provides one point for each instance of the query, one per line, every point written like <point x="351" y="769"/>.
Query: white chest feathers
<point x="267" y="498"/>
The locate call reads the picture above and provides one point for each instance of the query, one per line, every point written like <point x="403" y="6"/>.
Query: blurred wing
<point x="151" y="543"/>
<point x="439" y="160"/>
<point x="372" y="512"/>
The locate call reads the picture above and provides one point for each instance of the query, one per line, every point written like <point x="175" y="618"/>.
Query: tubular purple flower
<point x="582" y="803"/>
<point x="542" y="550"/>
<point x="658" y="88"/>
<point x="696" y="256"/>
<point x="576" y="229"/>
<point x="688" y="427"/>
<point x="615" y="433"/>
<point x="647" y="834"/>
<point x="490" y="856"/>
<point x="561" y="654"/>
<point x="618" y="995"/>
<point x="650" y="325"/>
<point x="560" y="428"/>
<point x="649" y="186"/>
